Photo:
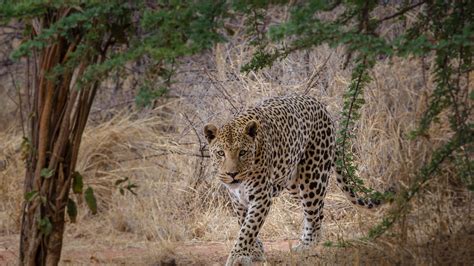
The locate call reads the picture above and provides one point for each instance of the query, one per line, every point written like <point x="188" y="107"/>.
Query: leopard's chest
<point x="238" y="192"/>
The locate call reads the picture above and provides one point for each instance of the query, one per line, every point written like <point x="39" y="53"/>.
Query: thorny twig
<point x="223" y="91"/>
<point x="201" y="150"/>
<point x="401" y="12"/>
<point x="316" y="74"/>
<point x="146" y="157"/>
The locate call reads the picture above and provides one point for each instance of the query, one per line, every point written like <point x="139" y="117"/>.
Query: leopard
<point x="285" y="143"/>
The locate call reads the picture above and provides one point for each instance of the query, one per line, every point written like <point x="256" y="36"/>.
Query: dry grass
<point x="179" y="201"/>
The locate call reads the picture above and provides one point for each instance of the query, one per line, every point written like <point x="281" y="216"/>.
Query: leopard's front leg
<point x="257" y="252"/>
<point x="247" y="246"/>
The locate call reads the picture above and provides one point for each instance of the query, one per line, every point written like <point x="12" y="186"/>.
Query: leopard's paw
<point x="258" y="253"/>
<point x="234" y="260"/>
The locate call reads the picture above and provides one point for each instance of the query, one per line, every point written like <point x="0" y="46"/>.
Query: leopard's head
<point x="232" y="149"/>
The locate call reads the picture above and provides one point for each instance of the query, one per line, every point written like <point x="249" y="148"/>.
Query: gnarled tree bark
<point x="58" y="113"/>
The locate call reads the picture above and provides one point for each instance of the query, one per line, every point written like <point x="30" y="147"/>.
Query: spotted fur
<point x="281" y="143"/>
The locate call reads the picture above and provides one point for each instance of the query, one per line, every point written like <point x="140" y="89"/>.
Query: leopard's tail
<point x="343" y="184"/>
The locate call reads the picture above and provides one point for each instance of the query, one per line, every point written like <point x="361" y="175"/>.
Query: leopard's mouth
<point x="233" y="180"/>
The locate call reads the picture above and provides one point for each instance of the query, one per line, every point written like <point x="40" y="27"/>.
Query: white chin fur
<point x="239" y="192"/>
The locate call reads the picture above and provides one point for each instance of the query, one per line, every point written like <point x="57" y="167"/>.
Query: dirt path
<point x="197" y="253"/>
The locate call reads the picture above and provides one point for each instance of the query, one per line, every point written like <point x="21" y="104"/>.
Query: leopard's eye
<point x="242" y="153"/>
<point x="220" y="153"/>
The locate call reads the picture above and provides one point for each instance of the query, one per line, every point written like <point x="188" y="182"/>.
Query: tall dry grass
<point x="164" y="153"/>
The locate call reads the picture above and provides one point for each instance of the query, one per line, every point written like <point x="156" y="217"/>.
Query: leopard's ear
<point x="210" y="131"/>
<point x="251" y="128"/>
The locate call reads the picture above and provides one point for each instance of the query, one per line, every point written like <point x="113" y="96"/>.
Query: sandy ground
<point x="451" y="250"/>
<point x="194" y="253"/>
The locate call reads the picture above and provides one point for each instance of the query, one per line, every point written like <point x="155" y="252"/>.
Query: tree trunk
<point x="58" y="112"/>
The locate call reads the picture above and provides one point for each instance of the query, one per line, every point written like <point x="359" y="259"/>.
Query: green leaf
<point x="71" y="210"/>
<point x="46" y="173"/>
<point x="130" y="187"/>
<point x="29" y="196"/>
<point x="77" y="183"/>
<point x="90" y="200"/>
<point x="146" y="95"/>
<point x="120" y="181"/>
<point x="45" y="226"/>
<point x="328" y="244"/>
<point x="26" y="148"/>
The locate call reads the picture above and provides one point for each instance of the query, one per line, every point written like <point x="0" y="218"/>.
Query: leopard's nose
<point x="232" y="174"/>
